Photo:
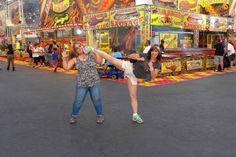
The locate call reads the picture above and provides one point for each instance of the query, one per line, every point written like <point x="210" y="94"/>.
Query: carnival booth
<point x="190" y="29"/>
<point x="121" y="27"/>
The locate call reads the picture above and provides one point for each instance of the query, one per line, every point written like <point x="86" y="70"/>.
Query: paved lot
<point x="190" y="119"/>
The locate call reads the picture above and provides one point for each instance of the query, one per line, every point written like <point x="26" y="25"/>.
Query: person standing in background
<point x="230" y="53"/>
<point x="10" y="57"/>
<point x="147" y="46"/>
<point x="162" y="48"/>
<point x="55" y="56"/>
<point x="219" y="55"/>
<point x="41" y="55"/>
<point x="29" y="49"/>
<point x="35" y="55"/>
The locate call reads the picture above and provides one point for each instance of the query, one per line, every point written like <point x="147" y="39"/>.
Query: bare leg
<point x="8" y="61"/>
<point x="217" y="67"/>
<point x="222" y="67"/>
<point x="116" y="62"/>
<point x="13" y="64"/>
<point x="133" y="96"/>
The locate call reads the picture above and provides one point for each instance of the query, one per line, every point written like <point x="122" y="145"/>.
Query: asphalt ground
<point x="188" y="119"/>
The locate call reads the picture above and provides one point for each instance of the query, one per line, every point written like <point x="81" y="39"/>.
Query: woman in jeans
<point x="87" y="80"/>
<point x="10" y="57"/>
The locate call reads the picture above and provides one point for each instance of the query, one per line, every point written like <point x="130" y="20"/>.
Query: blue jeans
<point x="95" y="95"/>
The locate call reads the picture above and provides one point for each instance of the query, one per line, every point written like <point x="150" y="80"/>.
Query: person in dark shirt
<point x="10" y="57"/>
<point x="162" y="48"/>
<point x="219" y="55"/>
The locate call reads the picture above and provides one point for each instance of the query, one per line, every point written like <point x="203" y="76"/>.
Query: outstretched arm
<point x="136" y="56"/>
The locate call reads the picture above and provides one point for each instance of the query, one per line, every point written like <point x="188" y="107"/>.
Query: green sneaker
<point x="137" y="119"/>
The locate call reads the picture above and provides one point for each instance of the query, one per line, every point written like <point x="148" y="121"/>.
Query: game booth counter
<point x="189" y="35"/>
<point x="189" y="38"/>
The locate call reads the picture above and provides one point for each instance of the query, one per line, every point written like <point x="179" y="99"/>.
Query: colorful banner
<point x="166" y="17"/>
<point x="215" y="7"/>
<point x="195" y="21"/>
<point x="185" y="41"/>
<point x="165" y="3"/>
<point x="170" y="67"/>
<point x="63" y="12"/>
<point x="127" y="17"/>
<point x="96" y="21"/>
<point x="170" y="40"/>
<point x="14" y="12"/>
<point x="2" y="23"/>
<point x="188" y="5"/>
<point x="218" y="24"/>
<point x="194" y="64"/>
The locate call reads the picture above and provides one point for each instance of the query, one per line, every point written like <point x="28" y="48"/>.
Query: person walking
<point x="219" y="55"/>
<point x="10" y="57"/>
<point x="146" y="65"/>
<point x="88" y="80"/>
<point x="42" y="55"/>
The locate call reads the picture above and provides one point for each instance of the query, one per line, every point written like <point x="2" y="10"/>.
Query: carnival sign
<point x="188" y="5"/>
<point x="69" y="12"/>
<point x="171" y="40"/>
<point x="170" y="67"/>
<point x="219" y="24"/>
<point x="60" y="6"/>
<point x="194" y="64"/>
<point x="58" y="13"/>
<point x="166" y="17"/>
<point x="96" y="21"/>
<point x="215" y="7"/>
<point x="127" y="17"/>
<point x="195" y="21"/>
<point x="166" y="3"/>
<point x="14" y="12"/>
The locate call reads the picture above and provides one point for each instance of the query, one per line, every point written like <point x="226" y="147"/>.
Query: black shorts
<point x="231" y="57"/>
<point x="42" y="58"/>
<point x="36" y="60"/>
